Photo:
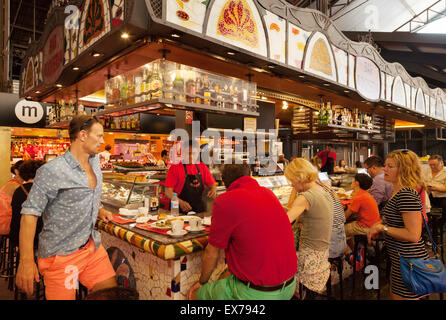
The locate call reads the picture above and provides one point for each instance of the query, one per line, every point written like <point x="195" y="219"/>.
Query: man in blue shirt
<point x="66" y="193"/>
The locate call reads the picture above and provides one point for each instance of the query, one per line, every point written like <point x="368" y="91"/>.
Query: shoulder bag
<point x="424" y="276"/>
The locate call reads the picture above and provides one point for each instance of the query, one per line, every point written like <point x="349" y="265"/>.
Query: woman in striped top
<point x="402" y="217"/>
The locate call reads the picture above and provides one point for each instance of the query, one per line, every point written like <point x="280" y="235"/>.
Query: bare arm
<point x="184" y="205"/>
<point x="411" y="231"/>
<point x="27" y="271"/>
<point x="299" y="206"/>
<point x="208" y="263"/>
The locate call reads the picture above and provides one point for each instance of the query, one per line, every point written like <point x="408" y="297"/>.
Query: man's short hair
<point x="16" y="166"/>
<point x="163" y="153"/>
<point x="330" y="145"/>
<point x="232" y="172"/>
<point x="436" y="157"/>
<point x="80" y="123"/>
<point x="365" y="181"/>
<point x="374" y="161"/>
<point x="108" y="147"/>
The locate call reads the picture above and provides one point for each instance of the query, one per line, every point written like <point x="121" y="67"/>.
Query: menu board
<point x="368" y="78"/>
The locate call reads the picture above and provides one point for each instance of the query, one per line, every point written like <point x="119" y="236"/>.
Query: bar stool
<point x="437" y="224"/>
<point x="3" y="252"/>
<point x="362" y="239"/>
<point x="10" y="263"/>
<point x="338" y="263"/>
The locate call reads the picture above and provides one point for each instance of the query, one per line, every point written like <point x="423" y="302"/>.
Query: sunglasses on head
<point x="86" y="122"/>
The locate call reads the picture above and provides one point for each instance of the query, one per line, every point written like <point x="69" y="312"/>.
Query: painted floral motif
<point x="236" y="23"/>
<point x="94" y="22"/>
<point x="117" y="11"/>
<point x="320" y="58"/>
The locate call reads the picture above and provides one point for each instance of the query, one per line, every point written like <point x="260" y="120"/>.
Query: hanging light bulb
<point x="285" y="105"/>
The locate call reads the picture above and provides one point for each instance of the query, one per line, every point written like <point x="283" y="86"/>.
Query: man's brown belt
<point x="268" y="288"/>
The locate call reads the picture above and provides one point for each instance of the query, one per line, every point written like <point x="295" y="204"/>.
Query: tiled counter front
<point x="152" y="276"/>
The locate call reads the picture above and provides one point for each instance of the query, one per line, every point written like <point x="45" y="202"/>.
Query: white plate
<point x="198" y="230"/>
<point x="183" y="232"/>
<point x="127" y="214"/>
<point x="153" y="225"/>
<point x="142" y="219"/>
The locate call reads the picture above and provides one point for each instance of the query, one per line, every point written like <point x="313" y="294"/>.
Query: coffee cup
<point x="195" y="223"/>
<point x="177" y="226"/>
<point x="143" y="211"/>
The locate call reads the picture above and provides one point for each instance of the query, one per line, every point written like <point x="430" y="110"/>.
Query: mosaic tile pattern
<point x="159" y="279"/>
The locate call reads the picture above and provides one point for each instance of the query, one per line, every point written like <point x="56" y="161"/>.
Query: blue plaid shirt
<point x="68" y="206"/>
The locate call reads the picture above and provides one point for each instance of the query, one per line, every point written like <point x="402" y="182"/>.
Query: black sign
<point x="16" y="112"/>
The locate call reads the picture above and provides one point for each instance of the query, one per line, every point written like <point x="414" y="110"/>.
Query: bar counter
<point x="159" y="266"/>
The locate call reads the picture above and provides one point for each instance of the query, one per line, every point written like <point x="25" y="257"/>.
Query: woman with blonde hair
<point x="402" y="220"/>
<point x="313" y="208"/>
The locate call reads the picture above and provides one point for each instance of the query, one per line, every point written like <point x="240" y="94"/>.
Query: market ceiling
<point x="423" y="55"/>
<point x="207" y="55"/>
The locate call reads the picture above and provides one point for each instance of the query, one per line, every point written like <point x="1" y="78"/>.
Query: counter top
<point x="162" y="246"/>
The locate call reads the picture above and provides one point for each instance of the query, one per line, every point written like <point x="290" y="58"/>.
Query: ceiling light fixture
<point x="59" y="85"/>
<point x="175" y="35"/>
<point x="230" y="53"/>
<point x="76" y="68"/>
<point x="37" y="91"/>
<point x="96" y="54"/>
<point x="125" y="35"/>
<point x="284" y="105"/>
<point x="326" y="84"/>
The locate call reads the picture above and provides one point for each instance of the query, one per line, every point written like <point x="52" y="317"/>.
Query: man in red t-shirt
<point x="188" y="182"/>
<point x="253" y="230"/>
<point x="328" y="159"/>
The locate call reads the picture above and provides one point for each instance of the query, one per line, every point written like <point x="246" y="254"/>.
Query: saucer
<point x="195" y="230"/>
<point x="183" y="232"/>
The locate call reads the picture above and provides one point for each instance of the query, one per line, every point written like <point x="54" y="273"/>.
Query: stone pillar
<point x="5" y="154"/>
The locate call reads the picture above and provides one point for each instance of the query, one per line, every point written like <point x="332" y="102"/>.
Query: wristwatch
<point x="385" y="228"/>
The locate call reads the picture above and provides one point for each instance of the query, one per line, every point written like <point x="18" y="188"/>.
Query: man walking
<point x="66" y="193"/>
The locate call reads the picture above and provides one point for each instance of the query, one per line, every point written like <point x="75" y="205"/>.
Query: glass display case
<point x="180" y="84"/>
<point x="279" y="185"/>
<point x="128" y="194"/>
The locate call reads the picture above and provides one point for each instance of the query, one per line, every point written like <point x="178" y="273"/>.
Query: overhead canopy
<point x="270" y="36"/>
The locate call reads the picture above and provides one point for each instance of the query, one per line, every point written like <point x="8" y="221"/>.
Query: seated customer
<point x="27" y="171"/>
<point x="341" y="168"/>
<point x="250" y="226"/>
<point x="364" y="207"/>
<point x="381" y="190"/>
<point x="313" y="208"/>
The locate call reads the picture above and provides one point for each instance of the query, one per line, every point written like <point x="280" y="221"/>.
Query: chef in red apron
<point x="188" y="181"/>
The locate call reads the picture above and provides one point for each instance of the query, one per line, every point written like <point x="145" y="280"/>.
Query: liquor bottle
<point x="117" y="123"/>
<point x="329" y="113"/>
<point x="168" y="86"/>
<point x="234" y="94"/>
<point x="122" y="124"/>
<point x="199" y="90"/>
<point x="112" y="123"/>
<point x="133" y="123"/>
<point x="62" y="111"/>
<point x="178" y="85"/>
<point x="213" y="88"/>
<point x="116" y="92"/>
<point x="81" y="110"/>
<point x="191" y="88"/>
<point x="244" y="99"/>
<point x="137" y="122"/>
<point x="147" y="84"/>
<point x="131" y="90"/>
<point x="206" y="91"/>
<point x="226" y="96"/>
<point x="124" y="90"/>
<point x="128" y="124"/>
<point x="156" y="83"/>
<point x="322" y="114"/>
<point x="138" y="80"/>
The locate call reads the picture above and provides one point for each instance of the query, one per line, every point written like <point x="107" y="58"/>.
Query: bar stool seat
<point x="338" y="263"/>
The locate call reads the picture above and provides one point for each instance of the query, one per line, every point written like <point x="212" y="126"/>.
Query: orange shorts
<point x="62" y="274"/>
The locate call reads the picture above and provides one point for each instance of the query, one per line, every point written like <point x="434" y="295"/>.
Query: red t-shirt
<point x="176" y="176"/>
<point x="323" y="155"/>
<point x="365" y="206"/>
<point x="250" y="224"/>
